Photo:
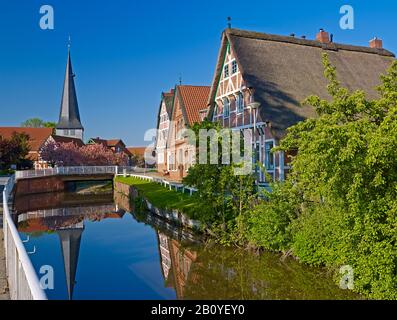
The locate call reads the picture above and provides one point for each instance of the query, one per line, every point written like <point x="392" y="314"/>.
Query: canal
<point x="98" y="248"/>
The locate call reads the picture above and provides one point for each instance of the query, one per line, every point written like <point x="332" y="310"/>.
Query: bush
<point x="339" y="204"/>
<point x="270" y="221"/>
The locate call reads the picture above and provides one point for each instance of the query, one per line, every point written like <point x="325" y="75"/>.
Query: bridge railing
<point x="22" y="278"/>
<point x="78" y="170"/>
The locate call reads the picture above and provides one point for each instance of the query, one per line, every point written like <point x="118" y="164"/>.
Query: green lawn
<point x="163" y="198"/>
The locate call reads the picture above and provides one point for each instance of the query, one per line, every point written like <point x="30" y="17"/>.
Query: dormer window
<point x="234" y="67"/>
<point x="226" y="107"/>
<point x="240" y="102"/>
<point x="226" y="70"/>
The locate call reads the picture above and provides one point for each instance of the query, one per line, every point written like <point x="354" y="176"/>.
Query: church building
<point x="69" y="124"/>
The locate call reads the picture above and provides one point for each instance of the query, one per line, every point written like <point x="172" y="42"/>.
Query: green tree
<point x="13" y="150"/>
<point x="50" y="124"/>
<point x="226" y="197"/>
<point x="340" y="202"/>
<point x="38" y="123"/>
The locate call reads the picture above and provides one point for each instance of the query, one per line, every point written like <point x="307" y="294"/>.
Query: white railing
<point x="22" y="278"/>
<point x="80" y="170"/>
<point x="62" y="212"/>
<point x="168" y="184"/>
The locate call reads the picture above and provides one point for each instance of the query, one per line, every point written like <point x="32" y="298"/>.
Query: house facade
<point x="260" y="81"/>
<point x="188" y="104"/>
<point x="163" y="124"/>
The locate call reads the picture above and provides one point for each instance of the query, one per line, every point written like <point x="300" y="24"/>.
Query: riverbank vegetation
<point x="225" y="197"/>
<point x="164" y="198"/>
<point x="338" y="205"/>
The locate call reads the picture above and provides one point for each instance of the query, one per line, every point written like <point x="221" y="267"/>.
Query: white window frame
<point x="234" y="67"/>
<point x="226" y="71"/>
<point x="240" y="101"/>
<point x="226" y="106"/>
<point x="273" y="155"/>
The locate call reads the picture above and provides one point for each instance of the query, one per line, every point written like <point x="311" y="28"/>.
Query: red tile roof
<point x="60" y="139"/>
<point x="113" y="142"/>
<point x="138" y="151"/>
<point x="37" y="136"/>
<point x="194" y="99"/>
<point x="99" y="141"/>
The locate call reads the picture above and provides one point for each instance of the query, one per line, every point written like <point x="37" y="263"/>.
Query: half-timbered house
<point x="163" y="123"/>
<point x="277" y="73"/>
<point x="189" y="106"/>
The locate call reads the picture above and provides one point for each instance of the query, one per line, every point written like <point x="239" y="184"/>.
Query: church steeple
<point x="70" y="238"/>
<point x="69" y="124"/>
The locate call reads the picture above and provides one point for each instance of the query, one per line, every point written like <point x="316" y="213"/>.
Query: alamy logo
<point x="47" y="20"/>
<point x="234" y="146"/>
<point x="47" y="280"/>
<point x="346" y="22"/>
<point x="347" y="280"/>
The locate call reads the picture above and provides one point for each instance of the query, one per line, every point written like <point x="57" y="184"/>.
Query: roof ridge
<point x="300" y="41"/>
<point x="192" y="85"/>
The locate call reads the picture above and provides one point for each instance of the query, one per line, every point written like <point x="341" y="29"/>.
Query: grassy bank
<point x="164" y="198"/>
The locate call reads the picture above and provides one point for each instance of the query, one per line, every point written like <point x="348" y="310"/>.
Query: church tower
<point x="69" y="124"/>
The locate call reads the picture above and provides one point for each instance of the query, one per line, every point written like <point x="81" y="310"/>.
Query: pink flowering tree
<point x="61" y="154"/>
<point x="120" y="159"/>
<point x="69" y="154"/>
<point x="97" y="155"/>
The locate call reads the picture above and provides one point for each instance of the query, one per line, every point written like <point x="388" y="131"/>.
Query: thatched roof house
<point x="281" y="71"/>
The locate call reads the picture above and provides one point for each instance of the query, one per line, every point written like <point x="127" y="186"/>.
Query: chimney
<point x="322" y="36"/>
<point x="376" y="43"/>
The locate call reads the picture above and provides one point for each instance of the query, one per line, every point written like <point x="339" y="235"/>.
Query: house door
<point x="181" y="166"/>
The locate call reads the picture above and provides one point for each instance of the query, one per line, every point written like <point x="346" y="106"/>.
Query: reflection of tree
<point x="225" y="273"/>
<point x="233" y="274"/>
<point x="215" y="272"/>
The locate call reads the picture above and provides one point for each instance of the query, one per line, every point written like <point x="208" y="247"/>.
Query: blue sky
<point x="125" y="53"/>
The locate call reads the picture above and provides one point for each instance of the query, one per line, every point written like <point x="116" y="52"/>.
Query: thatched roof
<point x="283" y="71"/>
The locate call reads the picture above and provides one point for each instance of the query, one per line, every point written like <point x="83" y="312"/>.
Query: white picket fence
<point x="22" y="278"/>
<point x="79" y="170"/>
<point x="168" y="184"/>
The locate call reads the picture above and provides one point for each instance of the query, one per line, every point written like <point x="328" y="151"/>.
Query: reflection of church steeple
<point x="70" y="238"/>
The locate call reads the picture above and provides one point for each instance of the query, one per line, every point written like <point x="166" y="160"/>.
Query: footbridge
<point x="55" y="179"/>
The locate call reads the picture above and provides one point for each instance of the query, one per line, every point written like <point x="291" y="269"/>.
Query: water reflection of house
<point x="165" y="257"/>
<point x="176" y="263"/>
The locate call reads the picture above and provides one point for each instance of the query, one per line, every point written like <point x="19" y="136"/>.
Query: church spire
<point x="69" y="124"/>
<point x="70" y="239"/>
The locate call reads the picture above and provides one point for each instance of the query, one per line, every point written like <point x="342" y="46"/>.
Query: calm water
<point x="99" y="249"/>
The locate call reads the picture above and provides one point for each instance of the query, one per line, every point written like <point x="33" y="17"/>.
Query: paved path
<point x="3" y="281"/>
<point x="159" y="175"/>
